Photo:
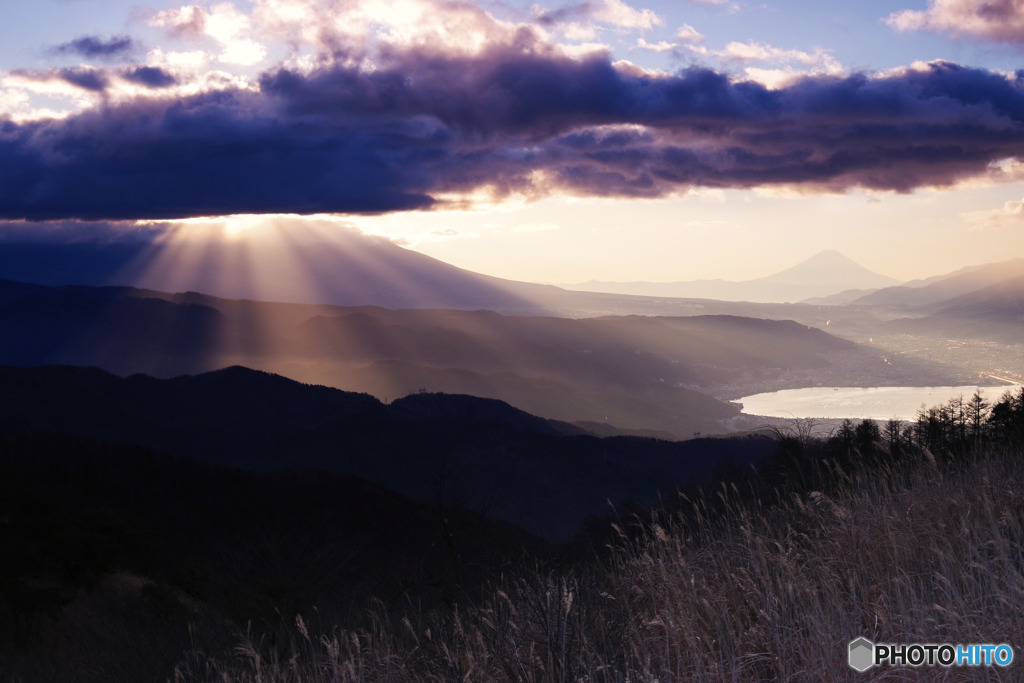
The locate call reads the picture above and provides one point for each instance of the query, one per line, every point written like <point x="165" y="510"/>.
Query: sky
<point x="558" y="142"/>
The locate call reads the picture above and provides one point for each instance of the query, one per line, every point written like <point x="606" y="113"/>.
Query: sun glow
<point x="323" y="264"/>
<point x="287" y="258"/>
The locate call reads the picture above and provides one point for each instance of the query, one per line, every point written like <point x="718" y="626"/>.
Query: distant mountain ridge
<point x="540" y="475"/>
<point x="636" y="373"/>
<point x="359" y="270"/>
<point x="995" y="312"/>
<point x="826" y="273"/>
<point x="351" y="270"/>
<point x="936" y="290"/>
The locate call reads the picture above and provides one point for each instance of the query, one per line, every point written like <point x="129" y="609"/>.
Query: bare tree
<point x="977" y="414"/>
<point x="894" y="436"/>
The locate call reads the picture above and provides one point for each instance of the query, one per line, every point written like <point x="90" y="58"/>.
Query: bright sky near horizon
<point x="557" y="142"/>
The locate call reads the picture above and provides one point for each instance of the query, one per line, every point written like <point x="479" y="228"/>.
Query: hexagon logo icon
<point x="862" y="654"/>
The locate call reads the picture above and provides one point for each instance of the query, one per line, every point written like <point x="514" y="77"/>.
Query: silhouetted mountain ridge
<point x="537" y="474"/>
<point x="424" y="406"/>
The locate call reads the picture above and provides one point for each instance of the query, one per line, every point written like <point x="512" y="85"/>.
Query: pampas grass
<point x="729" y="586"/>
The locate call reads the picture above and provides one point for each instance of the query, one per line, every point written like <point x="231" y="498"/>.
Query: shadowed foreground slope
<point x="545" y="476"/>
<point x="118" y="560"/>
<point x="124" y="564"/>
<point x="728" y="589"/>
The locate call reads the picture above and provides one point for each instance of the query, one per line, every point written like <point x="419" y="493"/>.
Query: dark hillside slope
<point x="119" y="560"/>
<point x="83" y="326"/>
<point x="218" y="416"/>
<point x="484" y="455"/>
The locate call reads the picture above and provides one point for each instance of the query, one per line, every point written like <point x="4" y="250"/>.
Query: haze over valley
<point x="659" y="373"/>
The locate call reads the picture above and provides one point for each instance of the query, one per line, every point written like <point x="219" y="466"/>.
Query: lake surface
<point x="858" y="403"/>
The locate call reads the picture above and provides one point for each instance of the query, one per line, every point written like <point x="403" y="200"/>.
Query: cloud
<point x="193" y="60"/>
<point x="96" y="47"/>
<point x="189" y="20"/>
<point x="611" y="12"/>
<point x="1010" y="215"/>
<point x="150" y="76"/>
<point x="661" y="46"/>
<point x="223" y="23"/>
<point x="563" y="15"/>
<point x="784" y="65"/>
<point x="70" y="232"/>
<point x="417" y="120"/>
<point x="618" y="13"/>
<point x="992" y="20"/>
<point x="213" y="154"/>
<point x="754" y="51"/>
<point x="772" y="66"/>
<point x="13" y="99"/>
<point x="243" y="52"/>
<point x="93" y="80"/>
<point x="689" y="34"/>
<point x="343" y="139"/>
<point x="84" y="77"/>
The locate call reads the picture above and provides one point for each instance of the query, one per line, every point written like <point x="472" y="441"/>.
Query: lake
<point x="858" y="403"/>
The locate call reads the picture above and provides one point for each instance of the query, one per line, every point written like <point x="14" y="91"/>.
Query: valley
<point x="654" y="375"/>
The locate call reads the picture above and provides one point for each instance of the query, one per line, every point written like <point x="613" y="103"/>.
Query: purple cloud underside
<point x="150" y="76"/>
<point x="344" y="140"/>
<point x="97" y="47"/>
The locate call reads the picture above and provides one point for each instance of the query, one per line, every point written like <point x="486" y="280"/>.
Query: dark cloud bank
<point x="344" y="140"/>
